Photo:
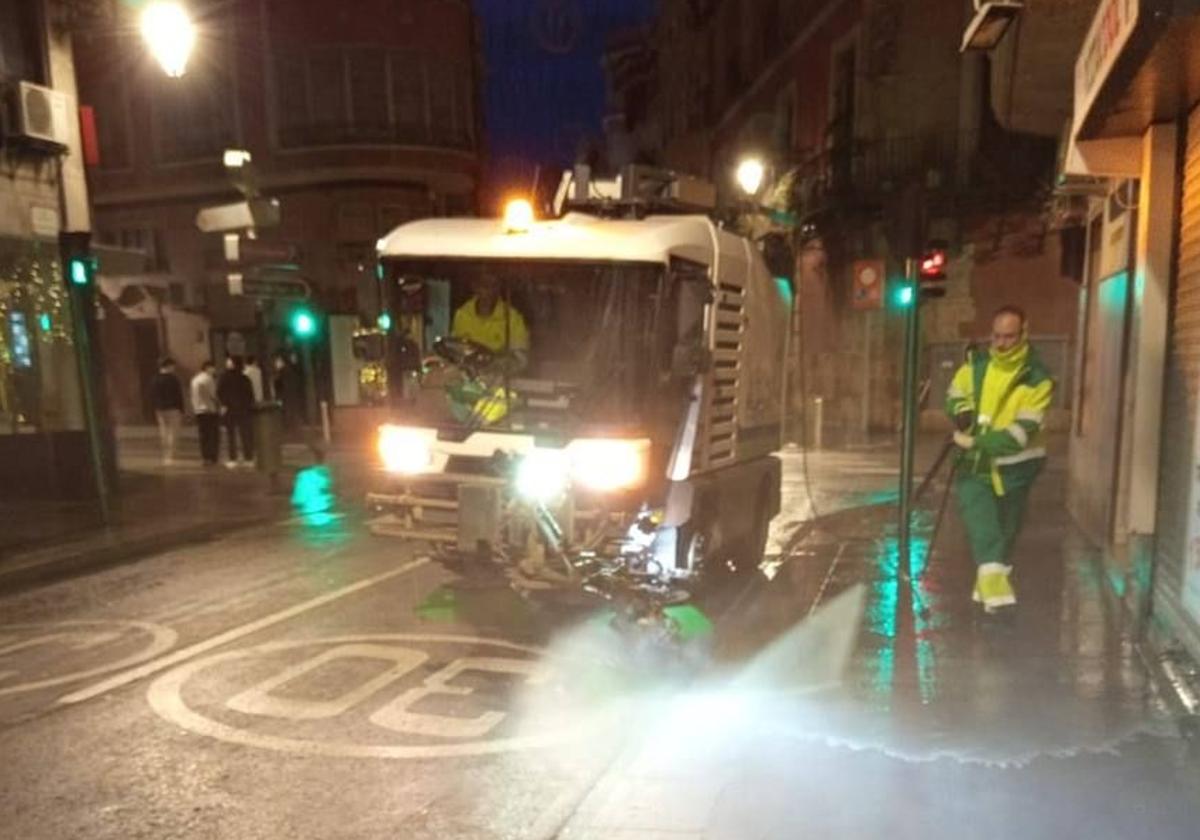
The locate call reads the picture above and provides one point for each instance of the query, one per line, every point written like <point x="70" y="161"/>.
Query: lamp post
<point x="169" y="34"/>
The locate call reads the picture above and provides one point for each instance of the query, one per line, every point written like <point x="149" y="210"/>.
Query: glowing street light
<point x="169" y="34"/>
<point x="750" y="175"/>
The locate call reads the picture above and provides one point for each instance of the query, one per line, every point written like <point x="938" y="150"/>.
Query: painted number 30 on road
<point x="411" y="712"/>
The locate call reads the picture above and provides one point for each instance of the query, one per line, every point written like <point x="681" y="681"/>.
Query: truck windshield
<point x="531" y="345"/>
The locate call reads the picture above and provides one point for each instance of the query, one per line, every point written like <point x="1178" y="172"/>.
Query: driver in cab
<point x="491" y="323"/>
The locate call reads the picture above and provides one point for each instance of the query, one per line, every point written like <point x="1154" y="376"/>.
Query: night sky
<point x="544" y="83"/>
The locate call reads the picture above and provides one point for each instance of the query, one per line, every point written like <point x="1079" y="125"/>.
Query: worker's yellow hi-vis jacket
<point x="1008" y="392"/>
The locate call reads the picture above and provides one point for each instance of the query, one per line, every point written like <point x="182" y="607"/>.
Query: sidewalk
<point x="157" y="507"/>
<point x="944" y="724"/>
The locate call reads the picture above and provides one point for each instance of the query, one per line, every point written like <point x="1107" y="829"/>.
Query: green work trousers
<point x="993" y="521"/>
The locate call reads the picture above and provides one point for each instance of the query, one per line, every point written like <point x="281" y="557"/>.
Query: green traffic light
<point x="303" y="323"/>
<point x="44" y="322"/>
<point x="80" y="271"/>
<point x="384" y="321"/>
<point x="904" y="295"/>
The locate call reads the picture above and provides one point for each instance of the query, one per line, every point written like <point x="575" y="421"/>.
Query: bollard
<point x="325" y="434"/>
<point x="818" y="421"/>
<point x="268" y="437"/>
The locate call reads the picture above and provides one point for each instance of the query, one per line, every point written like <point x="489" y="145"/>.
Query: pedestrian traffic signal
<point x="902" y="295"/>
<point x="932" y="270"/>
<point x="79" y="264"/>
<point x="82" y="270"/>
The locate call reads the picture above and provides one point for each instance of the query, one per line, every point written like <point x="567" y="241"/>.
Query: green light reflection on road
<point x="925" y="619"/>
<point x="441" y="605"/>
<point x="881" y="620"/>
<point x="883" y="617"/>
<point x="314" y="501"/>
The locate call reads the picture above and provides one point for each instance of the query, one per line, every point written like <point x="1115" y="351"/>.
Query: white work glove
<point x="964" y="440"/>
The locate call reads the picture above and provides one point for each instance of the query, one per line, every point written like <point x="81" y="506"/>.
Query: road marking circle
<point x="165" y="696"/>
<point x="161" y="640"/>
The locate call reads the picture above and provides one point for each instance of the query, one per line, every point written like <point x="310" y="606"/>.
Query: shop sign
<point x="1111" y="28"/>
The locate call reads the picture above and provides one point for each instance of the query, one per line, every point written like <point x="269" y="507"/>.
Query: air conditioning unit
<point x="40" y="116"/>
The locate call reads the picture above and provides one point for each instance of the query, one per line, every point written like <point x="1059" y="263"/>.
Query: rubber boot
<point x="993" y="587"/>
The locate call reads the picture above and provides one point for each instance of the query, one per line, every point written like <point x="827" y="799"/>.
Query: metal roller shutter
<point x="1179" y="410"/>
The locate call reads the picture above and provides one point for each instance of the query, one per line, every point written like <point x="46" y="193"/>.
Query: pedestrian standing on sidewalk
<point x="166" y="394"/>
<point x="998" y="402"/>
<point x="207" y="411"/>
<point x="255" y="375"/>
<point x="289" y="391"/>
<point x="237" y="405"/>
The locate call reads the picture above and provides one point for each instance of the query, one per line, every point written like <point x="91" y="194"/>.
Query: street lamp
<point x="991" y="21"/>
<point x="170" y="35"/>
<point x="750" y="175"/>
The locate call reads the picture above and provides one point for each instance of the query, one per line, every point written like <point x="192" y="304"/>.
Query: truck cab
<point x="591" y="399"/>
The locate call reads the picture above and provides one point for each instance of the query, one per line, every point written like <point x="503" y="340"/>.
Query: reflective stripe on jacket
<point x="1009" y="394"/>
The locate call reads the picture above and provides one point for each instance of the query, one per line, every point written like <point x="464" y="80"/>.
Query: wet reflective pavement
<point x="307" y="680"/>
<point x="947" y="724"/>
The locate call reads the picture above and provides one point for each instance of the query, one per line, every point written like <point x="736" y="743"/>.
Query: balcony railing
<point x="862" y="173"/>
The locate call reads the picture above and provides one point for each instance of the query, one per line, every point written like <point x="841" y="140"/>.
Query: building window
<point x="353" y="95"/>
<point x="410" y="109"/>
<point x="194" y="116"/>
<point x="370" y="109"/>
<point x="147" y="240"/>
<point x="391" y="216"/>
<point x="20" y="43"/>
<point x="111" y="105"/>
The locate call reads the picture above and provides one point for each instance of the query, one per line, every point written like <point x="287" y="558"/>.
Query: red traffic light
<point x="933" y="265"/>
<point x="931" y="270"/>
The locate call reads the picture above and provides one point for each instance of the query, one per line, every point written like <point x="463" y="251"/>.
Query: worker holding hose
<point x="998" y="401"/>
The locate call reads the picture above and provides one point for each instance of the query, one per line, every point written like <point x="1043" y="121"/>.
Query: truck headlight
<point x="542" y="475"/>
<point x="607" y="465"/>
<point x="406" y="450"/>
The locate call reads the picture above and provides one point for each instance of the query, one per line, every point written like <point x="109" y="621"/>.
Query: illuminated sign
<point x="19" y="348"/>
<point x="1114" y="22"/>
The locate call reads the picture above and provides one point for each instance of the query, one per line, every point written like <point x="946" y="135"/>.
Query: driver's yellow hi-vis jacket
<point x="1008" y="393"/>
<point x="496" y="332"/>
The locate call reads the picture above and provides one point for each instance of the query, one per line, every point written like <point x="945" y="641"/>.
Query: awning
<point x="1135" y="67"/>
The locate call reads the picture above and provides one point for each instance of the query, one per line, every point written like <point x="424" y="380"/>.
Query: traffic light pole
<point x="912" y="324"/>
<point x="80" y="298"/>
<point x="310" y="385"/>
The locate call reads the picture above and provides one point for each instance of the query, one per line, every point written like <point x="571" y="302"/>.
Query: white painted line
<point x="84" y="634"/>
<point x="165" y="696"/>
<point x="135" y="674"/>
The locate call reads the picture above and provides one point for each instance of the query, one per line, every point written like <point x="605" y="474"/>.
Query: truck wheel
<point x="751" y="548"/>
<point x="692" y="549"/>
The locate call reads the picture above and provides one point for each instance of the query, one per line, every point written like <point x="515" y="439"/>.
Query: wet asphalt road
<point x="309" y="680"/>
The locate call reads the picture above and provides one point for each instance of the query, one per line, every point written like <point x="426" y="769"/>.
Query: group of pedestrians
<point x="227" y="400"/>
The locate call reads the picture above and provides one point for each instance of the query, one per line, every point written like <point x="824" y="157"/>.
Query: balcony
<point x="344" y="96"/>
<point x="860" y="175"/>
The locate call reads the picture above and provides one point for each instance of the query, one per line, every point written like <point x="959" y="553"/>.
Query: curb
<point x="1176" y="679"/>
<point x="1173" y="675"/>
<point x="21" y="573"/>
